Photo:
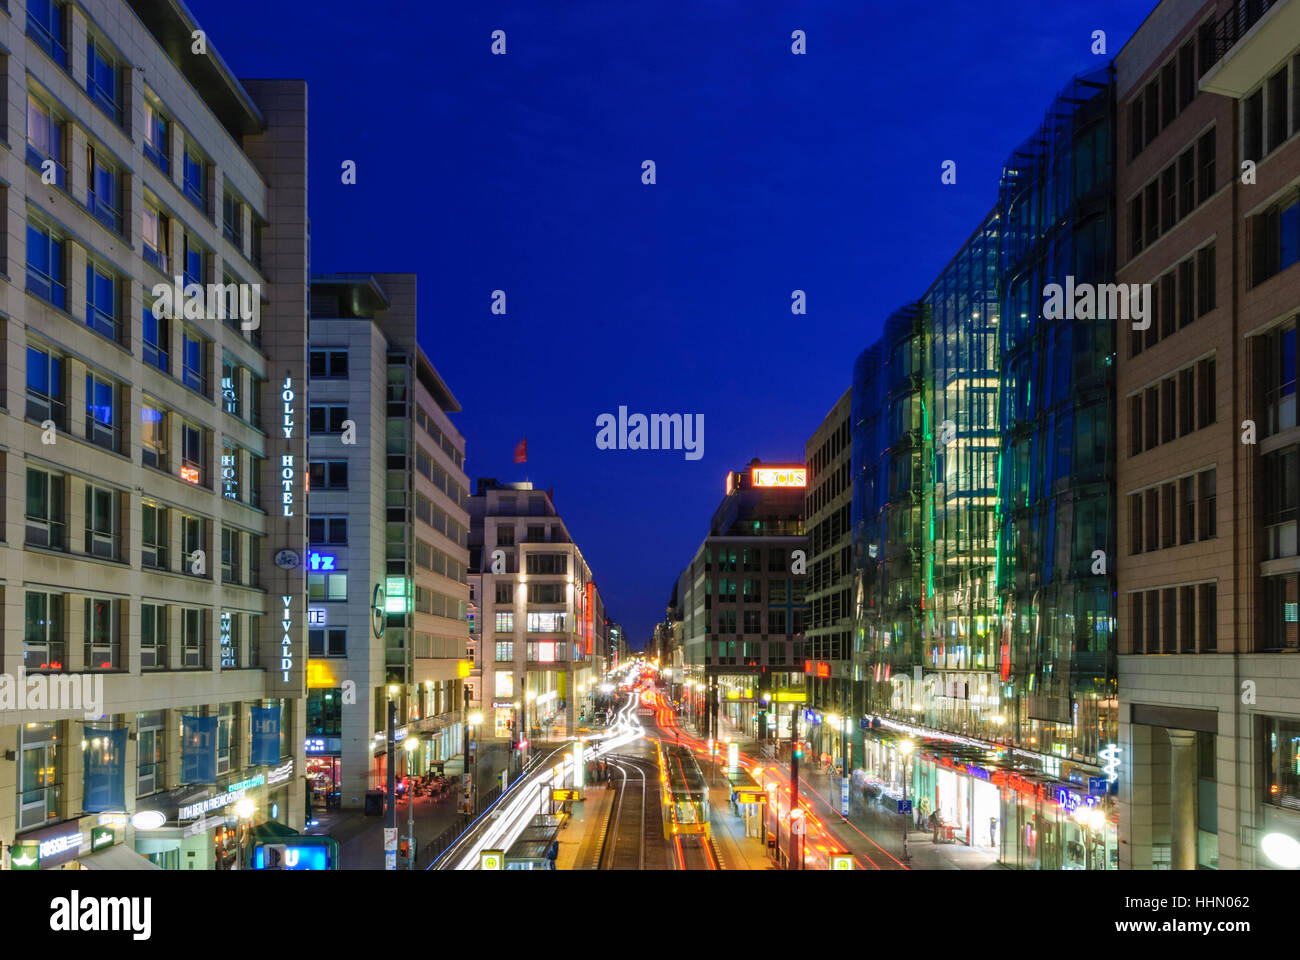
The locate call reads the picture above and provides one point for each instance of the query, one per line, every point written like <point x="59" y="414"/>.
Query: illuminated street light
<point x="475" y="719"/>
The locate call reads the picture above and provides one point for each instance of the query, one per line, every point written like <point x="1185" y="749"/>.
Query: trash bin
<point x="374" y="803"/>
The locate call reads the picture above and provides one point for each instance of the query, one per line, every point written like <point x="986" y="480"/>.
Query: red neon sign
<point x="190" y="474"/>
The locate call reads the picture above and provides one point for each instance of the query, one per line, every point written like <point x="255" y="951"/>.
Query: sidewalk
<point x="873" y="832"/>
<point x="583" y="829"/>
<point x="735" y="850"/>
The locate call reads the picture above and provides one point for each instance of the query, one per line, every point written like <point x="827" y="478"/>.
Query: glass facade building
<point x="983" y="514"/>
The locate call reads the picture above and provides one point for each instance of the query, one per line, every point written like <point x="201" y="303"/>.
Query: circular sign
<point x="377" y="612"/>
<point x="287" y="559"/>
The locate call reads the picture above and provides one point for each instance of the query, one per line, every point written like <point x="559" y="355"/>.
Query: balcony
<point x="1250" y="41"/>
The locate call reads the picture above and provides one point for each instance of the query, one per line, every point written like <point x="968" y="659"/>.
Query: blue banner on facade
<point x="198" y="749"/>
<point x="104" y="770"/>
<point x="266" y="735"/>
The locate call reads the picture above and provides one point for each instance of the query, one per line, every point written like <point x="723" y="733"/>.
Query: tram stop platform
<point x="735" y="850"/>
<point x="580" y="839"/>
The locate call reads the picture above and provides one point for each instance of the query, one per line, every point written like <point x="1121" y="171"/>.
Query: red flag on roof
<point x="521" y="451"/>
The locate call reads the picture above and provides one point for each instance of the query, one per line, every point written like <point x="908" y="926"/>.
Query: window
<point x="1139" y="624"/>
<point x="155" y="138"/>
<point x="1205" y="148"/>
<point x="326" y="418"/>
<point x="1187" y="620"/>
<point x="45" y="133"/>
<point x="1209" y="617"/>
<point x="505" y="622"/>
<point x="102" y="414"/>
<point x="153" y="434"/>
<point x="101" y="301"/>
<point x="1151" y="101"/>
<point x="1186" y="74"/>
<point x="1206" y="281"/>
<point x="1136" y="131"/>
<point x="1275" y="239"/>
<point x="232" y="219"/>
<point x="230" y="555"/>
<point x="323" y="530"/>
<point x="46" y="516"/>
<point x="193" y="540"/>
<point x="547" y="622"/>
<point x="1280" y="612"/>
<point x="327" y="364"/>
<point x="46" y="26"/>
<point x="327" y="587"/>
<point x="226" y="737"/>
<point x="1186" y="404"/>
<point x="153" y="538"/>
<point x="45" y="387"/>
<point x="505" y="592"/>
<point x="153" y="636"/>
<point x="1135" y="425"/>
<point x="156" y="232"/>
<point x="45" y="266"/>
<point x="1209" y="521"/>
<point x="1281" y="473"/>
<point x="1168" y="198"/>
<point x="505" y="536"/>
<point x="1152" y="519"/>
<point x="1252" y="123"/>
<point x="1168" y="515"/>
<point x="194" y="632"/>
<point x="1136" y="236"/>
<point x="1152" y="417"/>
<point x="151" y="753"/>
<point x="103" y="196"/>
<point x="1135" y="522"/>
<point x="1168" y="388"/>
<point x="194" y="178"/>
<point x="194" y="356"/>
<point x="194" y="454"/>
<point x="1278" y="357"/>
<point x="1186" y="181"/>
<point x="327" y="642"/>
<point x="1169" y="616"/>
<point x="1206" y="395"/>
<point x="195" y="262"/>
<point x="1281" y="781"/>
<point x="548" y="563"/>
<point x="505" y="651"/>
<point x="1277" y="109"/>
<point x="1187" y="509"/>
<point x="43" y="631"/>
<point x="1186" y="291"/>
<point x="328" y="475"/>
<point x="103" y="523"/>
<point x="39" y="788"/>
<point x="753" y="621"/>
<point x="103" y="635"/>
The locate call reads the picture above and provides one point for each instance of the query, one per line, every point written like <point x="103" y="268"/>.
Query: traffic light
<point x="798" y="750"/>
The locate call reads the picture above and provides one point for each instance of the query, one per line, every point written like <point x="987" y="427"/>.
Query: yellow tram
<point x="685" y="792"/>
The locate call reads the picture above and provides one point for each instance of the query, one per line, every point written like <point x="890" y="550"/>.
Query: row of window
<point x="778" y="622"/>
<point x="46" y="627"/>
<point x="42" y="756"/>
<point x="751" y="591"/>
<point x="424" y="421"/>
<point x="1175" y="513"/>
<point x="1178" y="296"/>
<point x="538" y="651"/>
<point x="536" y="621"/>
<point x="1271" y="114"/>
<point x="434" y="516"/>
<point x="1176" y="619"/>
<point x="534" y="533"/>
<point x="46" y="527"/>
<point x="431" y="558"/>
<point x="425" y="465"/>
<point x="438" y="604"/>
<point x="1172" y="194"/>
<point x="749" y="558"/>
<point x="1173" y="408"/>
<point x="1171" y="89"/>
<point x="752" y="653"/>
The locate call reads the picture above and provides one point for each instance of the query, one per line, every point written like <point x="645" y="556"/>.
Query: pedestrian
<point x="993" y="831"/>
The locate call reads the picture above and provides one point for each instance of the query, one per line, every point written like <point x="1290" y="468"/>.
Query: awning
<point x="117" y="857"/>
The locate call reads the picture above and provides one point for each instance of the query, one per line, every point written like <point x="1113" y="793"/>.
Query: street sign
<point x="841" y="861"/>
<point x="492" y="860"/>
<point x="1098" y="785"/>
<point x="904" y="806"/>
<point x="751" y="796"/>
<point x="562" y="796"/>
<point x="844" y="796"/>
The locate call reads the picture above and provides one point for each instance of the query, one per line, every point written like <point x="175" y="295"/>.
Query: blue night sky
<point x="775" y="172"/>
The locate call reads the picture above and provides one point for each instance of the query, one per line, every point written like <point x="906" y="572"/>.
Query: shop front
<point x="1054" y="827"/>
<point x="202" y="827"/>
<point x="324" y="758"/>
<point x="94" y="841"/>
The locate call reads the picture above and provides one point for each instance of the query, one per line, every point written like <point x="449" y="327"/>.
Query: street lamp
<point x="410" y="746"/>
<point x="244" y="811"/>
<point x="905" y="748"/>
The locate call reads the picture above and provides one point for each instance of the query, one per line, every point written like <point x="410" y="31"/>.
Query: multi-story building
<point x="389" y="540"/>
<point x="1209" y="189"/>
<point x="983" y="483"/>
<point x="829" y="626"/>
<point x="154" y="438"/>
<point x="538" y="614"/>
<point x="742" y="607"/>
